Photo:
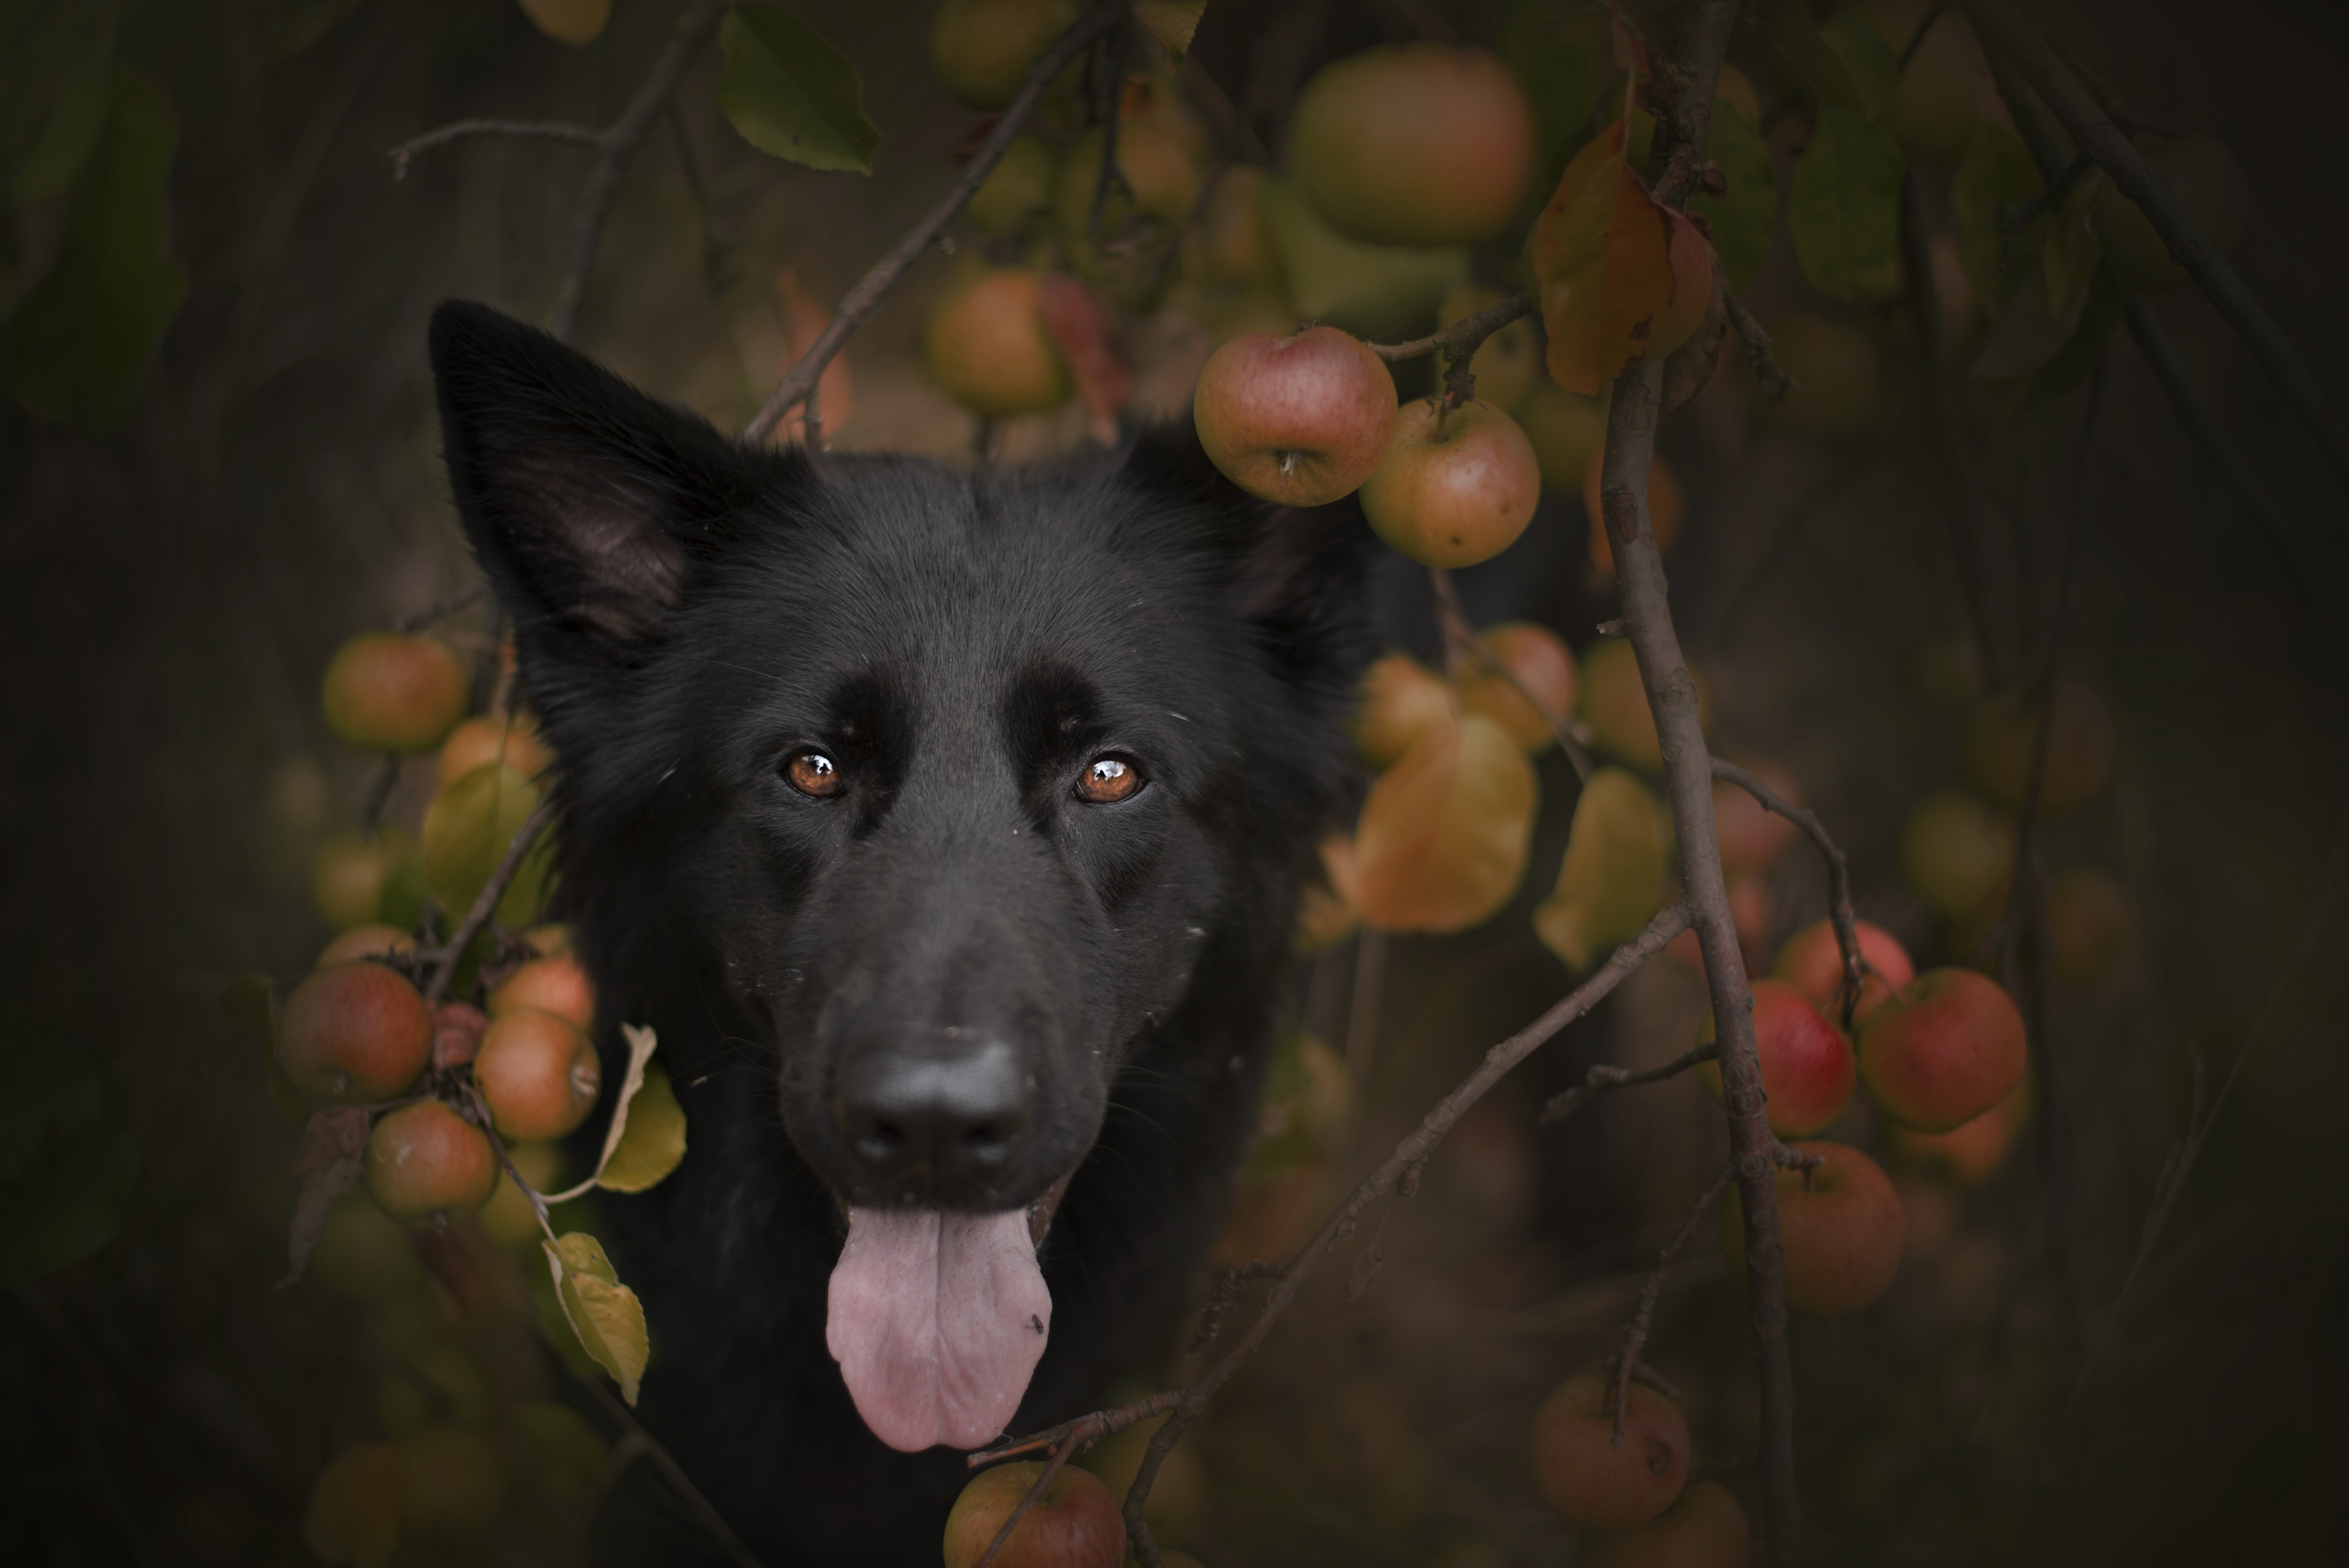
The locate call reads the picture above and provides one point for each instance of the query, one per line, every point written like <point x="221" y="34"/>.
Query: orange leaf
<point x="1443" y="838"/>
<point x="1086" y="330"/>
<point x="1620" y="280"/>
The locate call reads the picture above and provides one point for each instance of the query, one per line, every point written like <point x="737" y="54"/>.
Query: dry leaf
<point x="1608" y="887"/>
<point x="642" y="1044"/>
<point x="1620" y="280"/>
<point x="333" y="1148"/>
<point x="1086" y="330"/>
<point x="1443" y="838"/>
<point x="654" y="1142"/>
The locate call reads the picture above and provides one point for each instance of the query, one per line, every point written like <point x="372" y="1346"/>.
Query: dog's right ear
<point x="588" y="503"/>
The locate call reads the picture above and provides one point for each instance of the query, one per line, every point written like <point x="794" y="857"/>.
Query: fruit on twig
<point x="508" y="1216"/>
<point x="982" y="49"/>
<point x="1161" y="185"/>
<point x="1075" y="1524"/>
<point x="353" y="1514"/>
<point x="1176" y="1496"/>
<point x="2083" y="743"/>
<point x="1615" y="704"/>
<point x="1228" y="244"/>
<point x="556" y="986"/>
<point x="1542" y="665"/>
<point x="1972" y="1152"/>
<point x="1957" y="854"/>
<point x="1507" y="361"/>
<point x="1812" y="963"/>
<point x="1456" y="485"/>
<point x="370" y="941"/>
<point x="1835" y="371"/>
<point x="1597" y="1483"/>
<point x="538" y="1073"/>
<point x="1944" y="1050"/>
<point x="1300" y="420"/>
<point x="468" y="829"/>
<point x="455" y="1479"/>
<point x="355" y="1033"/>
<point x="425" y="1159"/>
<point x="1705" y="1528"/>
<point x="389" y="692"/>
<point x="1400" y="699"/>
<point x="989" y="349"/>
<point x="1840" y="1230"/>
<point x="1665" y="504"/>
<point x="1753" y="836"/>
<point x="1414" y="144"/>
<point x="1807" y="1069"/>
<point x="574" y="22"/>
<point x="1443" y="836"/>
<point x="2089" y="924"/>
<point x="349" y="879"/>
<point x="2209" y="183"/>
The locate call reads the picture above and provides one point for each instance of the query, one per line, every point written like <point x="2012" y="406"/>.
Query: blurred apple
<point x="1401" y="698"/>
<point x="1705" y="1528"/>
<point x="1567" y="430"/>
<point x="1752" y="836"/>
<point x="1414" y="144"/>
<point x="1016" y="187"/>
<point x="2090" y="924"/>
<point x="1957" y="855"/>
<point x="1615" y="704"/>
<point x="1507" y="362"/>
<point x="388" y="691"/>
<point x="988" y="347"/>
<point x="2083" y="743"/>
<point x="982" y="49"/>
<point x="1840" y="1231"/>
<point x="1595" y="1481"/>
<point x="1972" y="1152"/>
<point x="1943" y="1051"/>
<point x="1540" y="663"/>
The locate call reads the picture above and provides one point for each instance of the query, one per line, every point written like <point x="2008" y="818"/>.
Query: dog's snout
<point x="933" y="1124"/>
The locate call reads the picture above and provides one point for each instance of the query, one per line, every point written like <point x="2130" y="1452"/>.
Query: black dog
<point x="947" y="828"/>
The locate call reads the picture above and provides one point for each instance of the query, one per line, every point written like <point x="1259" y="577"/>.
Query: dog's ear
<point x="588" y="503"/>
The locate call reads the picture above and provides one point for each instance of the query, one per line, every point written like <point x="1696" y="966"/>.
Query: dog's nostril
<point x="943" y="1115"/>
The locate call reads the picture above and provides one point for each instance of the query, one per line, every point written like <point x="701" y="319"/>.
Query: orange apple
<point x="1840" y="1230"/>
<point x="537" y="1073"/>
<point x="386" y="691"/>
<point x="425" y="1159"/>
<point x="1542" y="666"/>
<point x="1456" y="485"/>
<point x="1414" y="144"/>
<point x="1300" y="420"/>
<point x="556" y="986"/>
<point x="1972" y="1152"/>
<point x="1614" y="704"/>
<point x="1075" y="1524"/>
<point x="988" y="347"/>
<point x="1945" y="1050"/>
<point x="1596" y="1482"/>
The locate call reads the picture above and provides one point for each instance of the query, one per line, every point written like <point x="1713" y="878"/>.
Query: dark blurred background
<point x="2127" y="1344"/>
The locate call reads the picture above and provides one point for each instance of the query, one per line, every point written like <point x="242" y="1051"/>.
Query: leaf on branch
<point x="1609" y="885"/>
<point x="1745" y="216"/>
<point x="1085" y="327"/>
<point x="653" y="1144"/>
<point x="1172" y="23"/>
<point x="1443" y="838"/>
<point x="1621" y="280"/>
<point x="334" y="1146"/>
<point x="1843" y="208"/>
<point x="605" y="1314"/>
<point x="792" y="94"/>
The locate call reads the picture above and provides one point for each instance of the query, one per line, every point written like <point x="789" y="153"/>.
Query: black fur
<point x="689" y="614"/>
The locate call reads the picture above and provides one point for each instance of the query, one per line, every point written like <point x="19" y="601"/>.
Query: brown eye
<point x="811" y="773"/>
<point x="1107" y="780"/>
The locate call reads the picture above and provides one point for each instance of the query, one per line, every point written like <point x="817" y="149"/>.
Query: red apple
<point x="1970" y="1154"/>
<point x="1705" y="1528"/>
<point x="356" y="1032"/>
<point x="556" y="986"/>
<point x="1300" y="420"/>
<point x="1542" y="665"/>
<point x="1840" y="1230"/>
<point x="1596" y="1482"/>
<point x="1807" y="1065"/>
<point x="1075" y="1524"/>
<point x="1456" y="485"/>
<point x="1943" y="1051"/>
<point x="1812" y="963"/>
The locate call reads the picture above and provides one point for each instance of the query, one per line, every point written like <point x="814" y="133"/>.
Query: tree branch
<point x="1604" y="1076"/>
<point x="2093" y="130"/>
<point x="486" y="903"/>
<point x="1840" y="909"/>
<point x="512" y="130"/>
<point x="1681" y="129"/>
<point x="1459" y="343"/>
<point x="1775" y="382"/>
<point x="673" y="1473"/>
<point x="1643" y="1317"/>
<point x="865" y="298"/>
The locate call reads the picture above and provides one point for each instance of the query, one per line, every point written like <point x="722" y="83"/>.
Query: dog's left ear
<point x="588" y="503"/>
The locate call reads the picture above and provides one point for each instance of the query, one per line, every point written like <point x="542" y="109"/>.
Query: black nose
<point x="933" y="1124"/>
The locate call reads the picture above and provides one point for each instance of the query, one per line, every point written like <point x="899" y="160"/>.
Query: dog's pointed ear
<point x="588" y="503"/>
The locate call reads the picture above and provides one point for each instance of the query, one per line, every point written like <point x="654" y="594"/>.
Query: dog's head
<point x="958" y="781"/>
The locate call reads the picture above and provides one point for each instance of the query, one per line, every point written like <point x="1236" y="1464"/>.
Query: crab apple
<point x="1401" y="698"/>
<point x="1945" y="1050"/>
<point x="1157" y="184"/>
<point x="1665" y="504"/>
<point x="1614" y="704"/>
<point x="556" y="986"/>
<point x="1812" y="961"/>
<point x="989" y="349"/>
<point x="1972" y="1152"/>
<point x="353" y="1515"/>
<point x="538" y="1073"/>
<point x="1958" y="855"/>
<point x="2089" y="924"/>
<point x="388" y="692"/>
<point x="1300" y="420"/>
<point x="374" y="940"/>
<point x="1414" y="144"/>
<point x="1226" y="244"/>
<point x="425" y="1159"/>
<point x="1840" y="1230"/>
<point x="1456" y="485"/>
<point x="1705" y="1528"/>
<point x="1597" y="1483"/>
<point x="1753" y="836"/>
<point x="354" y="1033"/>
<point x="455" y="1481"/>
<point x="1541" y="664"/>
<point x="489" y="738"/>
<point x="1075" y="1524"/>
<point x="348" y="878"/>
<point x="2083" y="743"/>
<point x="982" y="49"/>
<point x="1808" y="1070"/>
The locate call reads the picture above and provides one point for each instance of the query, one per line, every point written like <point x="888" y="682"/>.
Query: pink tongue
<point x="937" y="1320"/>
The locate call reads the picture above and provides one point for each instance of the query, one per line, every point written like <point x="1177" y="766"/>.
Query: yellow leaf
<point x="654" y="1142"/>
<point x="1443" y="839"/>
<point x="605" y="1314"/>
<point x="1620" y="280"/>
<point x="1171" y="22"/>
<point x="642" y="1043"/>
<point x="1608" y="887"/>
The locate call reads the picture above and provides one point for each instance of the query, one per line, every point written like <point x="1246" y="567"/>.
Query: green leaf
<point x="467" y="830"/>
<point x="1995" y="174"/>
<point x="1172" y="23"/>
<point x="792" y="94"/>
<point x="81" y="340"/>
<point x="654" y="1140"/>
<point x="1869" y="67"/>
<point x="68" y="1167"/>
<point x="1555" y="69"/>
<point x="1744" y="218"/>
<point x="605" y="1314"/>
<point x="1843" y="209"/>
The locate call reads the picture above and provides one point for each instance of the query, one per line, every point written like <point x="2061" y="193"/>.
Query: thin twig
<point x="486" y="903"/>
<point x="1108" y="59"/>
<point x="1840" y="909"/>
<point x="1211" y="100"/>
<point x="620" y="144"/>
<point x="1463" y="338"/>
<point x="1630" y="458"/>
<point x="1089" y="1428"/>
<point x="1395" y="1171"/>
<point x="866" y="296"/>
<point x="1060" y="1454"/>
<point x="1227" y="1291"/>
<point x="511" y="129"/>
<point x="1604" y="1076"/>
<point x="2093" y="132"/>
<point x="1775" y="382"/>
<point x="1460" y="643"/>
<point x="1643" y="1317"/>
